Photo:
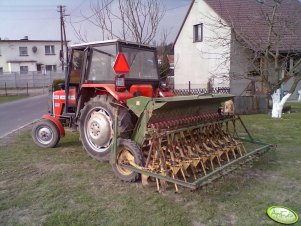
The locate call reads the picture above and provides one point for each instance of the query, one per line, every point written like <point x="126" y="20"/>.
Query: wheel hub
<point x="99" y="129"/>
<point x="44" y="135"/>
<point x="125" y="157"/>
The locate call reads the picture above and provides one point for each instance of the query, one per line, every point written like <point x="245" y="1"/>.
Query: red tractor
<point x="99" y="74"/>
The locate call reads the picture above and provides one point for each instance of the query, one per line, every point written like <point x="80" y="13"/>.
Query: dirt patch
<point x="19" y="216"/>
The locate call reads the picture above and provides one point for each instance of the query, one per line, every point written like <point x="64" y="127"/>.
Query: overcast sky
<point x="40" y="20"/>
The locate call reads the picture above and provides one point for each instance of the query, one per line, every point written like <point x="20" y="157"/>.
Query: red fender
<point x="110" y="88"/>
<point x="57" y="123"/>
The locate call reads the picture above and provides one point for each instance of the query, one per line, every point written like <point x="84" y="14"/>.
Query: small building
<point x="24" y="56"/>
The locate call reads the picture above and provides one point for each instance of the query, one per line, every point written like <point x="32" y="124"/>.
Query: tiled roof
<point x="248" y="18"/>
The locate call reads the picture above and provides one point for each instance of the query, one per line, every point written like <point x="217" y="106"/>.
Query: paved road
<point x="16" y="114"/>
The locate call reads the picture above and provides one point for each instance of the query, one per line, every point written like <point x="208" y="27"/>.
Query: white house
<point x="24" y="56"/>
<point x="197" y="59"/>
<point x="207" y="49"/>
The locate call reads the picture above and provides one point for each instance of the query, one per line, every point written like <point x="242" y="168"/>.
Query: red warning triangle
<point x="121" y="65"/>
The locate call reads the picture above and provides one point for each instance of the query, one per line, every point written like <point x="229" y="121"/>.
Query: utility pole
<point x="63" y="56"/>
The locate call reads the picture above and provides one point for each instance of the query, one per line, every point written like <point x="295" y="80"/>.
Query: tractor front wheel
<point x="45" y="134"/>
<point x="128" y="153"/>
<point x="96" y="126"/>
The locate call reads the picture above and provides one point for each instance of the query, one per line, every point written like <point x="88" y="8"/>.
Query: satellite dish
<point x="34" y="49"/>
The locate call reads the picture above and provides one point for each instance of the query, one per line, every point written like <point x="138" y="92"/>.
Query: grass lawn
<point x="63" y="186"/>
<point x="4" y="99"/>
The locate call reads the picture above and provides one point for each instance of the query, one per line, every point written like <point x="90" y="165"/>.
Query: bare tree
<point x="273" y="58"/>
<point x="132" y="20"/>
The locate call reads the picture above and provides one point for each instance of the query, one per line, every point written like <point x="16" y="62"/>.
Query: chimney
<point x="25" y="38"/>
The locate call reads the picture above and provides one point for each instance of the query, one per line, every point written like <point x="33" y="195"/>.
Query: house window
<point x="50" y="67"/>
<point x="23" y="69"/>
<point x="198" y="33"/>
<point x="49" y="50"/>
<point x="23" y="51"/>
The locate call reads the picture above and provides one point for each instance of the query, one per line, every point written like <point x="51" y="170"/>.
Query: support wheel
<point x="96" y="125"/>
<point x="45" y="134"/>
<point x="130" y="154"/>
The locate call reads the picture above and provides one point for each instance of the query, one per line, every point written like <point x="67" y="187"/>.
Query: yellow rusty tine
<point x="144" y="180"/>
<point x="180" y="147"/>
<point x="226" y="148"/>
<point x="174" y="170"/>
<point x="237" y="145"/>
<point x="214" y="155"/>
<point x="183" y="174"/>
<point x="231" y="144"/>
<point x="202" y="158"/>
<point x="193" y="160"/>
<point x="243" y="148"/>
<point x="158" y="185"/>
<point x="172" y="152"/>
<point x="176" y="186"/>
<point x="161" y="155"/>
<point x="193" y="157"/>
<point x="240" y="145"/>
<point x="219" y="149"/>
<point x="208" y="149"/>
<point x="203" y="167"/>
<point x="149" y="153"/>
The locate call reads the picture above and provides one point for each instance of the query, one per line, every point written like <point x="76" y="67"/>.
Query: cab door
<point x="73" y="80"/>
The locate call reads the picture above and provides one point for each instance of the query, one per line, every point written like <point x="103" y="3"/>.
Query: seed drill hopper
<point x="186" y="141"/>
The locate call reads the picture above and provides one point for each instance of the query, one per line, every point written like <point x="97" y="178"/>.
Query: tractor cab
<point x="93" y="68"/>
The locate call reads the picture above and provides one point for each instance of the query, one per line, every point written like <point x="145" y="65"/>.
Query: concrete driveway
<point x="17" y="114"/>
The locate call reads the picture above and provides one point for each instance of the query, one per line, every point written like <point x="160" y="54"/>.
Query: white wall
<point x="241" y="65"/>
<point x="197" y="62"/>
<point x="10" y="52"/>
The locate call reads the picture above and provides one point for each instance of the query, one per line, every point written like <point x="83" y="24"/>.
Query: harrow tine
<point x="183" y="174"/>
<point x="176" y="186"/>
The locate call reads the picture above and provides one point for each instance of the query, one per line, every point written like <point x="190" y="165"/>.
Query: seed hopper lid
<point x="198" y="103"/>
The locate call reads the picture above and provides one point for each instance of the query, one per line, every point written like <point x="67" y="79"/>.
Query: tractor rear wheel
<point x="45" y="134"/>
<point x="96" y="125"/>
<point x="130" y="154"/>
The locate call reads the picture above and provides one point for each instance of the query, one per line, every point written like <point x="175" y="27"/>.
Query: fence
<point x="31" y="83"/>
<point x="243" y="104"/>
<point x="251" y="104"/>
<point x="186" y="92"/>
